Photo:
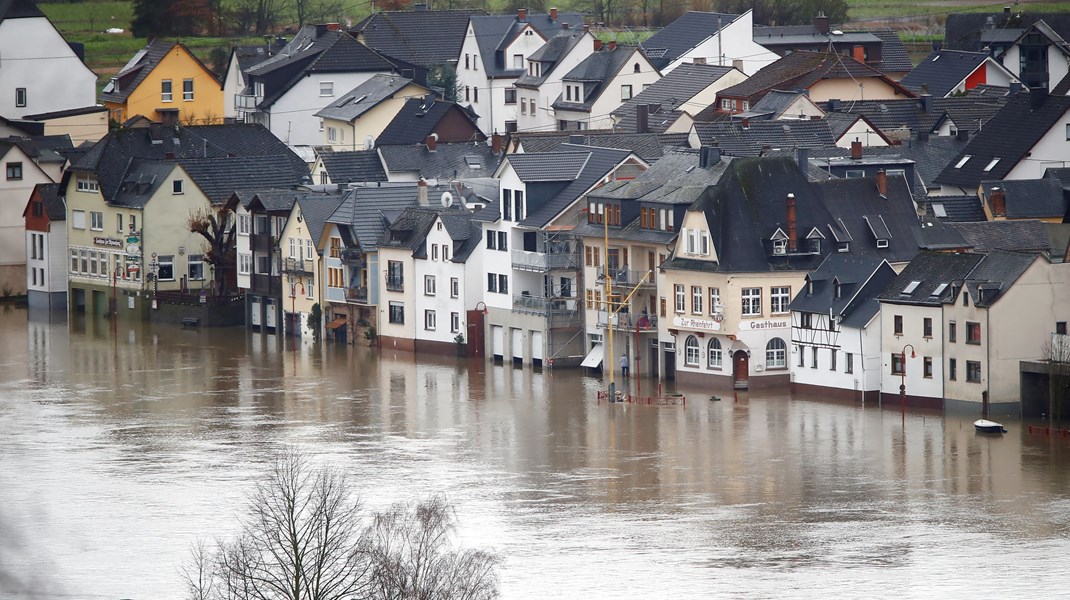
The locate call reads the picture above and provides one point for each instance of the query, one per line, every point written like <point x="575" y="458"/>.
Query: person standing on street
<point x="624" y="365"/>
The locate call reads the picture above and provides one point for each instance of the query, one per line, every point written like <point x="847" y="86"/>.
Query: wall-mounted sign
<point x="699" y="324"/>
<point x="133" y="250"/>
<point x="108" y="242"/>
<point x="764" y="324"/>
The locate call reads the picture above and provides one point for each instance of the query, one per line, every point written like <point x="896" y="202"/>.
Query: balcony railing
<point x="395" y="284"/>
<point x="542" y="305"/>
<point x="358" y="294"/>
<point x="628" y="322"/>
<point x="542" y="261"/>
<point x="626" y="277"/>
<point x="297" y="266"/>
<point x="246" y="102"/>
<point x="266" y="284"/>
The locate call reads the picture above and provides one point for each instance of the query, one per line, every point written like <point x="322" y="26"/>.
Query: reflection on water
<point x="121" y="448"/>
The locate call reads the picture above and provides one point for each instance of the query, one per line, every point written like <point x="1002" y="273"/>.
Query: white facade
<point x="852" y="362"/>
<point x="300" y="273"/>
<point x="485" y="95"/>
<point x="398" y="318"/>
<point x="233" y="84"/>
<point x="1058" y="63"/>
<point x="542" y="99"/>
<point x="634" y="76"/>
<point x="36" y="59"/>
<point x="1051" y="151"/>
<point x="926" y="343"/>
<point x="46" y="266"/>
<point x="244" y="253"/>
<point x="861" y="131"/>
<point x="733" y="45"/>
<point x="439" y="296"/>
<point x="292" y="117"/>
<point x="17" y="180"/>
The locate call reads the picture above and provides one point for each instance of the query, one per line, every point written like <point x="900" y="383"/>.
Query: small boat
<point x="986" y="426"/>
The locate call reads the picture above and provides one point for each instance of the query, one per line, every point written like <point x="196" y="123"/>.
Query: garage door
<point x="516" y="339"/>
<point x="536" y="346"/>
<point x="497" y="333"/>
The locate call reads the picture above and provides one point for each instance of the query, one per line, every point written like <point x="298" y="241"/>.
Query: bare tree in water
<point x="305" y="536"/>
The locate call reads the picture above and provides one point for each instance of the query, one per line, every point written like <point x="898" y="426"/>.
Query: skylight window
<point x="913" y="285"/>
<point x="939" y="210"/>
<point x="991" y="164"/>
<point x="962" y="161"/>
<point x="939" y="289"/>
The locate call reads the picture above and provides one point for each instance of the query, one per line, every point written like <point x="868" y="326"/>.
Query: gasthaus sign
<point x="763" y="324"/>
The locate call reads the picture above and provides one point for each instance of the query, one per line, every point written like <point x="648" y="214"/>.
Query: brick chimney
<point x="745" y="123"/>
<point x="997" y="202"/>
<point x="793" y="234"/>
<point x="431" y="141"/>
<point x="553" y="13"/>
<point x="642" y="118"/>
<point x="597" y="44"/>
<point x="821" y="23"/>
<point x="521" y="14"/>
<point x="612" y="45"/>
<point x="882" y="183"/>
<point x="421" y="192"/>
<point x="856" y="150"/>
<point x="859" y="54"/>
<point x="333" y="27"/>
<point x="496" y="143"/>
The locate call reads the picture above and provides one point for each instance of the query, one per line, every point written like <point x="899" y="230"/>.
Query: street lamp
<point x="903" y="379"/>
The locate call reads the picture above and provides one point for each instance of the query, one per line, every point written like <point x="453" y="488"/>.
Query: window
<point x="467" y="58"/>
<point x="696" y="299"/>
<point x="245" y="263"/>
<point x="681" y="301"/>
<point x="196" y="267"/>
<point x="395" y="276"/>
<point x="691" y="351"/>
<point x="503" y="284"/>
<point x="927" y="327"/>
<point x="492" y="240"/>
<point x="176" y="187"/>
<point x="952" y="369"/>
<point x="523" y="106"/>
<point x="802" y="355"/>
<point x="991" y="164"/>
<point x="518" y="205"/>
<point x="310" y="250"/>
<point x="510" y="96"/>
<point x="434" y="251"/>
<point x="776" y="354"/>
<point x="848" y="362"/>
<point x="430" y="320"/>
<point x="445" y="252"/>
<point x="397" y="313"/>
<point x="625" y="92"/>
<point x="952" y="332"/>
<point x="119" y="223"/>
<point x="965" y="297"/>
<point x="927" y="367"/>
<point x="897" y="327"/>
<point x="165" y="90"/>
<point x="962" y="161"/>
<point x="973" y="371"/>
<point x="503" y="240"/>
<point x="715" y="300"/>
<point x="752" y="301"/>
<point x="1060" y="327"/>
<point x="332" y="134"/>
<point x="973" y="332"/>
<point x="475" y="94"/>
<point x="518" y="61"/>
<point x="187" y="89"/>
<point x="326" y="89"/>
<point x="714" y="354"/>
<point x="455" y="287"/>
<point x="20" y="97"/>
<point x="813" y="353"/>
<point x="855" y="174"/>
<point x="96" y="220"/>
<point x="507" y="205"/>
<point x="14" y="171"/>
<point x="78" y="219"/>
<point x="492" y="282"/>
<point x="166" y="269"/>
<point x="455" y="322"/>
<point x="429" y="285"/>
<point x="779" y="297"/>
<point x="897" y="363"/>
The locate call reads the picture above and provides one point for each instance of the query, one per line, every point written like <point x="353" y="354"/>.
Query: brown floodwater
<point x="120" y="449"/>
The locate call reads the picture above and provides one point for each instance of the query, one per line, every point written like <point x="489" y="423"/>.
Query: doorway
<point x="740" y="369"/>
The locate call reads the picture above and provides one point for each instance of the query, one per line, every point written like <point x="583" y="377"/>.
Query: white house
<point x="46" y="248"/>
<point x="537" y="89"/>
<point x="21" y="175"/>
<point x="710" y="39"/>
<point x="599" y="85"/>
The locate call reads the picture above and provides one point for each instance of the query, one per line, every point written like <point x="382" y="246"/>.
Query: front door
<point x="740" y="369"/>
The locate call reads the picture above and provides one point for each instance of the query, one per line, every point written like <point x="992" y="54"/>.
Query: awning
<point x="335" y="324"/>
<point x="595" y="357"/>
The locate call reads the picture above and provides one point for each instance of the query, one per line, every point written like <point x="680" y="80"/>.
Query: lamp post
<point x="903" y="380"/>
<point x="155" y="267"/>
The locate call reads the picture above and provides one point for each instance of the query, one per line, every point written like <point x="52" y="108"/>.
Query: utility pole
<point x="607" y="360"/>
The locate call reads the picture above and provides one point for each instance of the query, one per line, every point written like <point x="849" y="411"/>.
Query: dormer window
<point x="843" y="247"/>
<point x="780" y="247"/>
<point x="698" y="242"/>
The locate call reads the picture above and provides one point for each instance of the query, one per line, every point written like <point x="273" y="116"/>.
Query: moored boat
<point x="986" y="426"/>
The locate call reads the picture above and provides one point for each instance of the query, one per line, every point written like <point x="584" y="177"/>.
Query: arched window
<point x="636" y="68"/>
<point x="714" y="354"/>
<point x="691" y="352"/>
<point x="776" y="354"/>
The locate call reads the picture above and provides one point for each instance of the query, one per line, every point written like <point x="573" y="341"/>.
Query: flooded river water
<point x="118" y="450"/>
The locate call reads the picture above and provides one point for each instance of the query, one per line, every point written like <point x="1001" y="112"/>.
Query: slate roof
<point x="1031" y="198"/>
<point x="969" y="112"/>
<point x="1026" y="235"/>
<point x="19" y="9"/>
<point x="136" y="70"/>
<point x="598" y="164"/>
<point x="272" y="201"/>
<point x="426" y="38"/>
<point x="959" y="209"/>
<point x="549" y="54"/>
<point x="548" y="166"/>
<point x="775" y="102"/>
<point x="646" y="146"/>
<point x="861" y="280"/>
<point x="410" y="228"/>
<point x="418" y="118"/>
<point x="219" y="177"/>
<point x="139" y="182"/>
<point x="448" y="161"/>
<point x="737" y="140"/>
<point x="366" y="96"/>
<point x="996" y="274"/>
<point x="671" y="94"/>
<point x="969" y="31"/>
<point x="363" y="210"/>
<point x="930" y="156"/>
<point x="351" y="166"/>
<point x="1008" y="136"/>
<point x="802" y="69"/>
<point x="70" y="112"/>
<point x="109" y="158"/>
<point x="689" y="30"/>
<point x="894" y="55"/>
<point x="931" y="270"/>
<point x="494" y="33"/>
<point x="943" y="70"/>
<point x="316" y="209"/>
<point x="50" y="195"/>
<point x="596" y="72"/>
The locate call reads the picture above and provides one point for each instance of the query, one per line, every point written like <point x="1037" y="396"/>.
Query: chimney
<point x="746" y="123"/>
<point x="963" y="135"/>
<point x="612" y="45"/>
<point x="834" y="105"/>
<point x="553" y="13"/>
<point x="169" y="155"/>
<point x="856" y="150"/>
<point x="586" y="27"/>
<point x="421" y="192"/>
<point x="565" y="26"/>
<point x="321" y="29"/>
<point x="642" y="118"/>
<point x="927" y="103"/>
<point x="882" y="183"/>
<point x="1037" y="97"/>
<point x="821" y="23"/>
<point x="1007" y="9"/>
<point x="793" y="234"/>
<point x="709" y="156"/>
<point x="597" y="43"/>
<point x="521" y="14"/>
<point x="923" y="135"/>
<point x="1016" y="87"/>
<point x="419" y="6"/>
<point x="333" y="27"/>
<point x="496" y="143"/>
<point x="859" y="53"/>
<point x="431" y="141"/>
<point x="802" y="157"/>
<point x="997" y="202"/>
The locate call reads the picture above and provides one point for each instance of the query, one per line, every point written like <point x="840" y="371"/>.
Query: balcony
<point x="541" y="305"/>
<point x="297" y="266"/>
<point x="623" y="321"/>
<point x="270" y="285"/>
<point x="357" y="294"/>
<point x="262" y="243"/>
<point x="542" y="261"/>
<point x="627" y="278"/>
<point x="247" y="102"/>
<point x="395" y="283"/>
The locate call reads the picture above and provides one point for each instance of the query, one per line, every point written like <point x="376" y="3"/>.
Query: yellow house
<point x="354" y="121"/>
<point x="165" y="76"/>
<point x="301" y="258"/>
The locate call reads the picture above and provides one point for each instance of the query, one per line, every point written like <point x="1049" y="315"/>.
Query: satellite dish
<point x="447" y="199"/>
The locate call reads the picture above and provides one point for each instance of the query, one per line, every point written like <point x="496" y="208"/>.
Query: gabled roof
<point x="347" y="167"/>
<point x="1031" y="198"/>
<point x="219" y="177"/>
<point x="410" y="228"/>
<point x="1026" y="235"/>
<point x="959" y="209"/>
<point x="973" y="31"/>
<point x="141" y="179"/>
<point x="968" y="113"/>
<point x="859" y="279"/>
<point x="931" y="270"/>
<point x="599" y="163"/>
<point x="595" y="72"/>
<point x="448" y="161"/>
<point x="677" y="178"/>
<point x="138" y="68"/>
<point x="646" y="146"/>
<point x="54" y="204"/>
<point x="670" y="95"/>
<point x="943" y="70"/>
<point x="775" y="102"/>
<point x="736" y="139"/>
<point x="363" y="210"/>
<point x="366" y="96"/>
<point x="419" y="117"/>
<point x="1008" y="137"/>
<point x="494" y="33"/>
<point x="315" y="210"/>
<point x="894" y="55"/>
<point x="548" y="166"/>
<point x="549" y="55"/>
<point x="426" y="38"/>
<point x="683" y="34"/>
<point x="802" y="69"/>
<point x="996" y="274"/>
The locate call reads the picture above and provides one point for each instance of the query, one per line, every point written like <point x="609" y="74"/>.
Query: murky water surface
<point x="118" y="450"/>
